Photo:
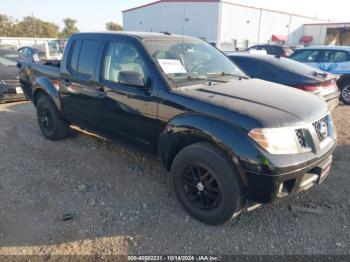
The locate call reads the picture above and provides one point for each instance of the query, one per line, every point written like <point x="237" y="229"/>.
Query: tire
<point x="207" y="184"/>
<point x="345" y="92"/>
<point x="51" y="124"/>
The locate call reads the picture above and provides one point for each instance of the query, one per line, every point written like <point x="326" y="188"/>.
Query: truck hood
<point x="271" y="104"/>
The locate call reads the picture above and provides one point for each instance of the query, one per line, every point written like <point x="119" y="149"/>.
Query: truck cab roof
<point x="139" y="35"/>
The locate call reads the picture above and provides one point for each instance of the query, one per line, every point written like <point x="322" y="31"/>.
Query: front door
<point x="123" y="109"/>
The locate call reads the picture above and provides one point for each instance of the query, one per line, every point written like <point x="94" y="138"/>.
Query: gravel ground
<point x="122" y="201"/>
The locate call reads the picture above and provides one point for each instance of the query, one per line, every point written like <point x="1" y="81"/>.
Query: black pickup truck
<point x="230" y="142"/>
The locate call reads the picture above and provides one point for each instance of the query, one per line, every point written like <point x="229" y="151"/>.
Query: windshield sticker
<point x="172" y="66"/>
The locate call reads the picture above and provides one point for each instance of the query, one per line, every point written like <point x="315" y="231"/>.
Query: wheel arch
<point x="343" y="79"/>
<point x="43" y="85"/>
<point x="192" y="128"/>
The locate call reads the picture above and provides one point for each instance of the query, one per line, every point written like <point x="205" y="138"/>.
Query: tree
<point x="34" y="27"/>
<point x="29" y="26"/>
<point x="69" y="27"/>
<point x="112" y="26"/>
<point x="5" y="25"/>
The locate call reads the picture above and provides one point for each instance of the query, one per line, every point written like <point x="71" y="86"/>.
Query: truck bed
<point x="32" y="71"/>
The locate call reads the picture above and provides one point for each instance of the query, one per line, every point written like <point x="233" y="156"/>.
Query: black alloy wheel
<point x="45" y="118"/>
<point x="51" y="123"/>
<point x="201" y="187"/>
<point x="345" y="94"/>
<point x="207" y="183"/>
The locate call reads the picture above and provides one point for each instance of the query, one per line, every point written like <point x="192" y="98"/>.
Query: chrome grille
<point x="322" y="129"/>
<point x="301" y="137"/>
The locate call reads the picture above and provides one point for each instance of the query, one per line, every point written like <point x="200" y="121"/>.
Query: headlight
<point x="276" y="140"/>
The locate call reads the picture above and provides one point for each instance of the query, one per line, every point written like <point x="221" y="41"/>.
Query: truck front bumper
<point x="288" y="180"/>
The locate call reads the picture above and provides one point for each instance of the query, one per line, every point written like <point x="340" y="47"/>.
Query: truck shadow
<point x="120" y="201"/>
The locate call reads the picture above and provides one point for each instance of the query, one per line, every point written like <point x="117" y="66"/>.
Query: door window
<point x="84" y="57"/>
<point x="75" y="55"/>
<point x="122" y="57"/>
<point x="331" y="56"/>
<point x="25" y="52"/>
<point x="88" y="57"/>
<point x="306" y="56"/>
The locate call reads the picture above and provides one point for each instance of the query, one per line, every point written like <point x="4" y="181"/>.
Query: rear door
<point x="335" y="61"/>
<point x="78" y="89"/>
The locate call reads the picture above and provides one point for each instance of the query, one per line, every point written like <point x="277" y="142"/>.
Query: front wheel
<point x="345" y="92"/>
<point x="51" y="124"/>
<point x="207" y="184"/>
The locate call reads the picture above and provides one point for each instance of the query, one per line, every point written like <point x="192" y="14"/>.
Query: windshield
<point x="186" y="60"/>
<point x="8" y="58"/>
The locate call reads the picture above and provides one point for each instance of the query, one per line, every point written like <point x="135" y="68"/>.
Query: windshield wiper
<point x="205" y="79"/>
<point x="229" y="74"/>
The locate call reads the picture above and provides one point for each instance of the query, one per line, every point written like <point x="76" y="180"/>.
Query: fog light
<point x="282" y="191"/>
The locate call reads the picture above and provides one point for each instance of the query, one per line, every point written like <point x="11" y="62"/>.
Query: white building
<point x="222" y="22"/>
<point x="327" y="33"/>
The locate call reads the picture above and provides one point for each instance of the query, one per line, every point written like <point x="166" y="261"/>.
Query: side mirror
<point x="131" y="78"/>
<point x="19" y="64"/>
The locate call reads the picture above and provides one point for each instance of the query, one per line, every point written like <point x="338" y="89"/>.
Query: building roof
<point x="330" y="23"/>
<point x="325" y="47"/>
<point x="172" y="1"/>
<point x="218" y="1"/>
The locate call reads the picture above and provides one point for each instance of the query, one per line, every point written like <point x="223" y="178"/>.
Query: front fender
<point x="43" y="84"/>
<point x="194" y="127"/>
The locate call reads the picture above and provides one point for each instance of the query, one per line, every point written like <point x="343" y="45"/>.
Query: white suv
<point x="332" y="59"/>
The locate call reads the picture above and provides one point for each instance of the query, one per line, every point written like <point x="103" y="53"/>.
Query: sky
<point x="93" y="15"/>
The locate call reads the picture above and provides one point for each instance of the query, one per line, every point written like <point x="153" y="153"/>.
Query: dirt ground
<point x="122" y="201"/>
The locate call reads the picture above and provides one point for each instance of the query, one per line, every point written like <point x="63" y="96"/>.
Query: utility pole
<point x="4" y="27"/>
<point x="259" y="26"/>
<point x="34" y="30"/>
<point x="290" y="22"/>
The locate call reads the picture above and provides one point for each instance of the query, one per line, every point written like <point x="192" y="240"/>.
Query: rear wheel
<point x="345" y="92"/>
<point x="51" y="124"/>
<point x="206" y="183"/>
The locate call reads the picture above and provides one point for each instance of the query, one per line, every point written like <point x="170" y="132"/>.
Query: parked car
<point x="36" y="54"/>
<point x="290" y="73"/>
<point x="272" y="50"/>
<point x="331" y="59"/>
<point x="58" y="44"/>
<point x="10" y="88"/>
<point x="228" y="140"/>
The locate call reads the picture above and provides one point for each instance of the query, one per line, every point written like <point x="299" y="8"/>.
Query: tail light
<point x="55" y="83"/>
<point x="310" y="88"/>
<point x="319" y="87"/>
<point x="329" y="84"/>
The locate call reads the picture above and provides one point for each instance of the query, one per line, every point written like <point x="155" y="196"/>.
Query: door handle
<point x="101" y="93"/>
